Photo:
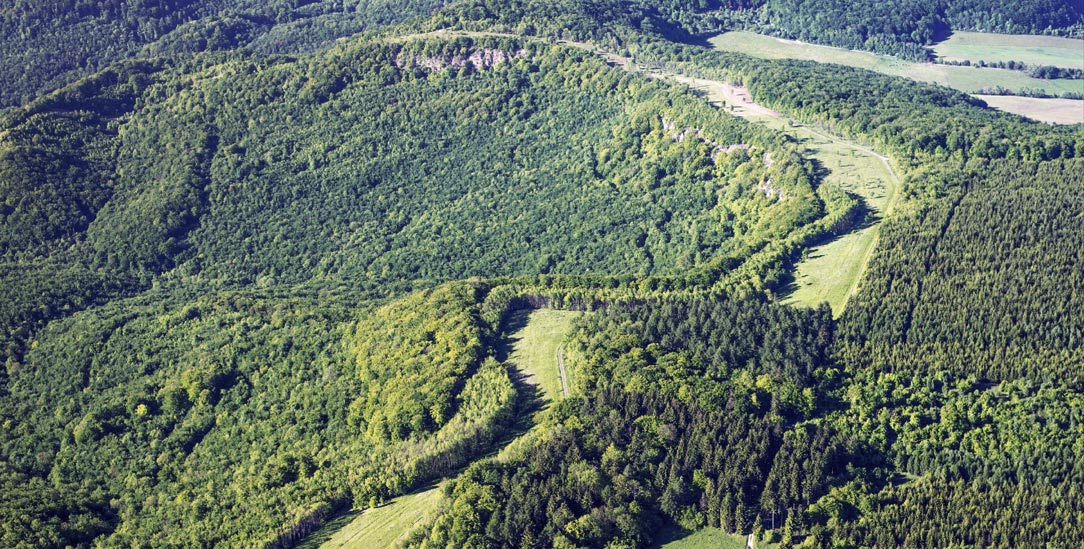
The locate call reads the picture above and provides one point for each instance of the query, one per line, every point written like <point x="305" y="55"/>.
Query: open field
<point x="707" y="537"/>
<point x="966" y="79"/>
<point x="832" y="270"/>
<point x="535" y="344"/>
<point x="1054" y="111"/>
<point x="377" y="528"/>
<point x="1032" y="50"/>
<point x="534" y="348"/>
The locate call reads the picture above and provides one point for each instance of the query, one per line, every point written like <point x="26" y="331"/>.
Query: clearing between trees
<point x="831" y="271"/>
<point x="376" y="528"/>
<point x="966" y="79"/>
<point x="536" y="352"/>
<point x="536" y="349"/>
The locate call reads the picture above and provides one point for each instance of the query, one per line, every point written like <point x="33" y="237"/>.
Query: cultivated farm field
<point x="1043" y="109"/>
<point x="1033" y="50"/>
<point x="966" y="79"/>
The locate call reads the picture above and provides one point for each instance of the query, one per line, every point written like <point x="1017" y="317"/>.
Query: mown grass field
<point x="831" y="271"/>
<point x="966" y="79"/>
<point x="1051" y="110"/>
<point x="377" y="528"/>
<point x="534" y="348"/>
<point x="1032" y="50"/>
<point x="713" y="538"/>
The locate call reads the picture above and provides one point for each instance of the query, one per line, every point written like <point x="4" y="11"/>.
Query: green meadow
<point x="376" y="528"/>
<point x="966" y="79"/>
<point x="830" y="271"/>
<point x="1033" y="50"/>
<point x="713" y="538"/>
<point x="534" y="348"/>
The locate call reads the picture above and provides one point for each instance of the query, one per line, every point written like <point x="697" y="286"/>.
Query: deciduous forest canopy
<point x="261" y="263"/>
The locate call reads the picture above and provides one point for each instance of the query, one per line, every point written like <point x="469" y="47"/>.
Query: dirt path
<point x="561" y="370"/>
<point x="723" y="94"/>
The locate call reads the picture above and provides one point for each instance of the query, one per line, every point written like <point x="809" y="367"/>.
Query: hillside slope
<point x="244" y="291"/>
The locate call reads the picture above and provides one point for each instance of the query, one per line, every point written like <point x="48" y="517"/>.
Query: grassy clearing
<point x="704" y="538"/>
<point x="1033" y="50"/>
<point x="377" y="528"/>
<point x="534" y="348"/>
<point x="1053" y="111"/>
<point x="534" y="352"/>
<point x="966" y="79"/>
<point x="831" y="271"/>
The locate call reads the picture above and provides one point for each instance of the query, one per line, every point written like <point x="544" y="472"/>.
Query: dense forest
<point x="254" y="276"/>
<point x="45" y="45"/>
<point x="650" y="440"/>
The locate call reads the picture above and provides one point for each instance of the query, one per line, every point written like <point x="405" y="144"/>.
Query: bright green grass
<point x="707" y="538"/>
<point x="966" y="79"/>
<point x="1032" y="50"/>
<point x="830" y="272"/>
<point x="377" y="528"/>
<point x="534" y="352"/>
<point x="534" y="348"/>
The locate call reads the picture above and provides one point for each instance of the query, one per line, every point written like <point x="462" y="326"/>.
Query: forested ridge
<point x="47" y="44"/>
<point x="51" y="43"/>
<point x="246" y="288"/>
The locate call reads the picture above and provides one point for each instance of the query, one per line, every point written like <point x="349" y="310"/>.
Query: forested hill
<point x="247" y="284"/>
<point x="161" y="197"/>
<point x="47" y="44"/>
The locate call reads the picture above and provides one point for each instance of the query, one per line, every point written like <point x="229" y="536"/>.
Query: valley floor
<point x="966" y="79"/>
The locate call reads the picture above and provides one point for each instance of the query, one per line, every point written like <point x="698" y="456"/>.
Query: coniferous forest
<point x="261" y="264"/>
